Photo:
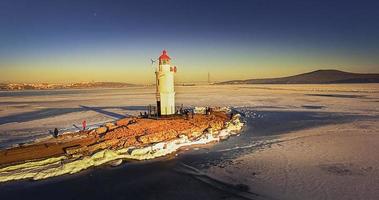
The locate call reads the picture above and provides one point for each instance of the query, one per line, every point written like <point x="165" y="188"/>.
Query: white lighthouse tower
<point x="165" y="85"/>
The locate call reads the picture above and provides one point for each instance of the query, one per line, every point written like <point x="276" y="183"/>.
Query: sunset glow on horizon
<point x="58" y="42"/>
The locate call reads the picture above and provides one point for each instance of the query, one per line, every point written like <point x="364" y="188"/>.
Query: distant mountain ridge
<point x="314" y="77"/>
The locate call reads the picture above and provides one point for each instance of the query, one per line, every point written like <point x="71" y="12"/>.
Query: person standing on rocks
<point x="55" y="132"/>
<point x="84" y="124"/>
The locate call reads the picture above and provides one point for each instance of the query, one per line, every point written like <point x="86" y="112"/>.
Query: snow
<point x="329" y="162"/>
<point x="316" y="142"/>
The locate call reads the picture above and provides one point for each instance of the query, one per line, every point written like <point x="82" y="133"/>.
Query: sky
<point x="61" y="41"/>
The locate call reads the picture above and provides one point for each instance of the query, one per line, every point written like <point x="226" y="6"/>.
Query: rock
<point x="76" y="150"/>
<point x="131" y="141"/>
<point x="102" y="145"/>
<point x="92" y="132"/>
<point x="217" y="125"/>
<point x="111" y="126"/>
<point x="119" y="132"/>
<point x="126" y="121"/>
<point x="125" y="133"/>
<point x="157" y="137"/>
<point x="101" y="130"/>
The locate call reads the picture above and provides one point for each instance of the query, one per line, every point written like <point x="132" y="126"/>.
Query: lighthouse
<point x="165" y="91"/>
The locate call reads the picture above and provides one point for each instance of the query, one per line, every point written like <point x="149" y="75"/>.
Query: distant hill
<point x="46" y="86"/>
<point x="315" y="77"/>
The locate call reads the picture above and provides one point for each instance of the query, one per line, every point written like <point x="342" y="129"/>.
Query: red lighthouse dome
<point x="164" y="58"/>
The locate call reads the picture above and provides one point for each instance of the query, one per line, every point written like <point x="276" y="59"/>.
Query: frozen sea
<point x="300" y="142"/>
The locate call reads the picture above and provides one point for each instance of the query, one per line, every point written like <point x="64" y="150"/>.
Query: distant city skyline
<point x="113" y="41"/>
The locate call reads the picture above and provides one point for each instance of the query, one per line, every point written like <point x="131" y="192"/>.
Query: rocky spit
<point x="126" y="139"/>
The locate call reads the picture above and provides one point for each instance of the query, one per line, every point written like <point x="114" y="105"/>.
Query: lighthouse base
<point x="167" y="103"/>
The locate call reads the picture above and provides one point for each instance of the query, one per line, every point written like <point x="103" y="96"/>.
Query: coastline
<point x="70" y="164"/>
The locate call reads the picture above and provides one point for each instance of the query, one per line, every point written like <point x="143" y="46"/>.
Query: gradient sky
<point x="78" y="40"/>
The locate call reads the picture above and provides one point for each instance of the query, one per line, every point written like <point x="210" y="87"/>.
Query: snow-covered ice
<point x="300" y="142"/>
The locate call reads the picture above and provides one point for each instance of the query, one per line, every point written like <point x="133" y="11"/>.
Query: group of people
<point x="189" y="113"/>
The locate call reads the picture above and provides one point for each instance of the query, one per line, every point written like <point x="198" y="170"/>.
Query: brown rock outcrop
<point x="124" y="133"/>
<point x="101" y="130"/>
